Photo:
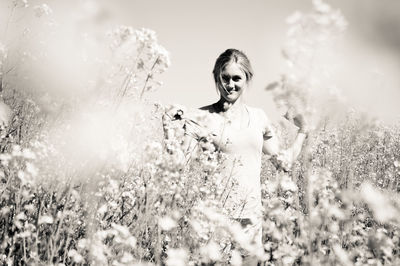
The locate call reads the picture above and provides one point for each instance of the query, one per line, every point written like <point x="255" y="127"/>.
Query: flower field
<point x="88" y="178"/>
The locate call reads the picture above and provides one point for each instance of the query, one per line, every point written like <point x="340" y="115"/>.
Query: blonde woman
<point x="243" y="133"/>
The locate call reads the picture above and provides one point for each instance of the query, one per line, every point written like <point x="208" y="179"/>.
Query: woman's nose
<point x="231" y="84"/>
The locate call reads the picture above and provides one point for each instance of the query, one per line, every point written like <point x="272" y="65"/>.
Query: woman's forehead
<point x="233" y="69"/>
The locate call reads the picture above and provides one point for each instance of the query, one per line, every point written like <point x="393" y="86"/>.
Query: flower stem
<point x="148" y="77"/>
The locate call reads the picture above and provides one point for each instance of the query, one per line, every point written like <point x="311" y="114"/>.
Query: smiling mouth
<point x="230" y="90"/>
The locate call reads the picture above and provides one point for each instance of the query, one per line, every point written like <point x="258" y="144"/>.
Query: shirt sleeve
<point x="267" y="128"/>
<point x="282" y="158"/>
<point x="195" y="125"/>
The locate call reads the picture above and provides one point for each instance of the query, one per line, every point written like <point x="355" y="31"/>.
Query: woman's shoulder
<point x="208" y="108"/>
<point x="262" y="120"/>
<point x="258" y="113"/>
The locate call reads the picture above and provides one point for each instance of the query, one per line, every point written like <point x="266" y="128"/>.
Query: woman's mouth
<point x="230" y="90"/>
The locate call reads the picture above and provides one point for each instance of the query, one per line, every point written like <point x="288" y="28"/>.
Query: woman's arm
<point x="180" y="128"/>
<point x="284" y="158"/>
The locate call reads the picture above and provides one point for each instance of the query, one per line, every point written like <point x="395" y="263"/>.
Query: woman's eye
<point x="236" y="78"/>
<point x="225" y="78"/>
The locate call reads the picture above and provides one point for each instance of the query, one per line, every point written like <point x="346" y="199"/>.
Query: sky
<point x="196" y="32"/>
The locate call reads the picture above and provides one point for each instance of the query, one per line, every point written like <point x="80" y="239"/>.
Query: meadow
<point x="87" y="178"/>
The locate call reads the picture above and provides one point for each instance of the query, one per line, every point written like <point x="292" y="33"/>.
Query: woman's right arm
<point x="178" y="127"/>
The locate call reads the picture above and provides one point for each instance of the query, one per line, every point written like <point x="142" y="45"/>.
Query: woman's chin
<point x="232" y="97"/>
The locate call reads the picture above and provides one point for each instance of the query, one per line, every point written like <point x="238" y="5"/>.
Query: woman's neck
<point x="235" y="113"/>
<point x="225" y="106"/>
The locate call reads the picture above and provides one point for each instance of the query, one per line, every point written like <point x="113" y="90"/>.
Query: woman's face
<point x="233" y="82"/>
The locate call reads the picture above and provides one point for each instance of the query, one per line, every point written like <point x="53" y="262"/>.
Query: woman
<point x="242" y="133"/>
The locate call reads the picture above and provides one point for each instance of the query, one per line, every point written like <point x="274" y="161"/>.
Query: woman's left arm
<point x="284" y="158"/>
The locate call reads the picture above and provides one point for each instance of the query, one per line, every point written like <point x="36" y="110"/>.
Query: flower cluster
<point x="42" y="9"/>
<point x="308" y="51"/>
<point x="21" y="3"/>
<point x="137" y="59"/>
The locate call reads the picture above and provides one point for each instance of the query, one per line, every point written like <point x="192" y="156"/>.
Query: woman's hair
<point x="232" y="56"/>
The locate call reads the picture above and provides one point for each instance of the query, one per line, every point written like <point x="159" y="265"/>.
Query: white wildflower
<point x="28" y="154"/>
<point x="380" y="205"/>
<point x="21" y="175"/>
<point x="167" y="223"/>
<point x="241" y="236"/>
<point x="120" y="35"/>
<point x="102" y="210"/>
<point x="31" y="169"/>
<point x="122" y="230"/>
<point x="336" y="212"/>
<point x="5" y="158"/>
<point x="42" y="9"/>
<point x="24" y="234"/>
<point x="294" y="18"/>
<point x="98" y="250"/>
<point x="236" y="259"/>
<point x="76" y="257"/>
<point x="20" y="216"/>
<point x="146" y="35"/>
<point x="321" y="7"/>
<point x="45" y="219"/>
<point x="201" y="228"/>
<point x="16" y="150"/>
<point x="5" y="210"/>
<point x="83" y="243"/>
<point x="341" y="255"/>
<point x="211" y="252"/>
<point x="127" y="258"/>
<point x="19" y="219"/>
<point x="153" y="150"/>
<point x="163" y="58"/>
<point x="288" y="260"/>
<point x="176" y="257"/>
<point x="214" y="215"/>
<point x="23" y="3"/>
<point x="30" y="208"/>
<point x="103" y="234"/>
<point x="131" y="241"/>
<point x="287" y="184"/>
<point x="178" y="157"/>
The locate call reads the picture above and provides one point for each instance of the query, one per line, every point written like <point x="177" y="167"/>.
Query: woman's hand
<point x="297" y="119"/>
<point x="175" y="111"/>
